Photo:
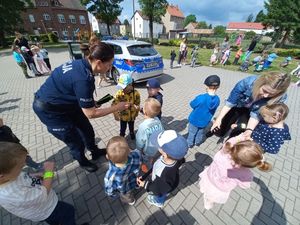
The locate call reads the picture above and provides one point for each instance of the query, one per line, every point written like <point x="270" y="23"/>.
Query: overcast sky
<point x="212" y="11"/>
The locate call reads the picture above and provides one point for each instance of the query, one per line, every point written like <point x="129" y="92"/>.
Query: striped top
<point x="27" y="198"/>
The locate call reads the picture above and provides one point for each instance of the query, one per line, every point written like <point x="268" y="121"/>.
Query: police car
<point x="137" y="58"/>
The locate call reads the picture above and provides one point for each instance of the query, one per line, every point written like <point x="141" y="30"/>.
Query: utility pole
<point x="133" y="19"/>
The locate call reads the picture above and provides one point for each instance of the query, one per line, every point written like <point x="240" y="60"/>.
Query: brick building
<point x="65" y="18"/>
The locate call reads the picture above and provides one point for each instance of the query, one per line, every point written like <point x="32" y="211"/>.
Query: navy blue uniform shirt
<point x="71" y="83"/>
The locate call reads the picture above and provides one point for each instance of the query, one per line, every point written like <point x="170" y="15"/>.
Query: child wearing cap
<point x="165" y="172"/>
<point x="124" y="166"/>
<point x="153" y="88"/>
<point x="204" y="107"/>
<point x="127" y="94"/>
<point x="150" y="125"/>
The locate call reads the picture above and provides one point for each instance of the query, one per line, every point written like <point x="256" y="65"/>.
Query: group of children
<point x="37" y="55"/>
<point x="154" y="164"/>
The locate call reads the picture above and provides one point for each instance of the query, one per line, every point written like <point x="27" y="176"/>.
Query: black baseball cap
<point x="212" y="80"/>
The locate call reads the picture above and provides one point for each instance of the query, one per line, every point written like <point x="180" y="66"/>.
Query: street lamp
<point x="133" y="19"/>
<point x="44" y="26"/>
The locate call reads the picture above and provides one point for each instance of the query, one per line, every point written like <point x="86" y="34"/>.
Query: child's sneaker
<point x="152" y="201"/>
<point x="132" y="203"/>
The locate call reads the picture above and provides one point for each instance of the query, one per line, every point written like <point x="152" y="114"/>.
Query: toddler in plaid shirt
<point x="124" y="166"/>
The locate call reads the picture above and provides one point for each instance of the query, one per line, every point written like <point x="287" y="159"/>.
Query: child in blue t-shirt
<point x="204" y="107"/>
<point x="20" y="60"/>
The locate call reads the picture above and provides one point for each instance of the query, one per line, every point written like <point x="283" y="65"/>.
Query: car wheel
<point x="115" y="75"/>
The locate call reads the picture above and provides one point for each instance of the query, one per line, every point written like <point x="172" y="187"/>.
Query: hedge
<point x="287" y="52"/>
<point x="155" y="40"/>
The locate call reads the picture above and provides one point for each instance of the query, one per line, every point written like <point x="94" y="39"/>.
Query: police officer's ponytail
<point x="101" y="51"/>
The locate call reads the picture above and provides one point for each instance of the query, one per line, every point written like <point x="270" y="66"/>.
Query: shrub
<point x="164" y="44"/>
<point x="52" y="38"/>
<point x="155" y="40"/>
<point x="206" y="44"/>
<point x="44" y="38"/>
<point x="34" y="38"/>
<point x="9" y="40"/>
<point x="249" y="35"/>
<point x="175" y="42"/>
<point x="287" y="52"/>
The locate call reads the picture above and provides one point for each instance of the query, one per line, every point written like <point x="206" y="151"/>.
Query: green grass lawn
<point x="204" y="57"/>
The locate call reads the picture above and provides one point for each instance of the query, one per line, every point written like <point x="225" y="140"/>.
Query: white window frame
<point x="31" y="18"/>
<point x="46" y="17"/>
<point x="82" y="19"/>
<point x="61" y="18"/>
<point x="72" y="19"/>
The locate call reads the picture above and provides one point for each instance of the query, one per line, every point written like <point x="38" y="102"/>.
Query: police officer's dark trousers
<point x="70" y="126"/>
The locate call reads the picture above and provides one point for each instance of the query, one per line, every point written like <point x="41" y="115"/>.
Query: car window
<point x="142" y="50"/>
<point x="117" y="49"/>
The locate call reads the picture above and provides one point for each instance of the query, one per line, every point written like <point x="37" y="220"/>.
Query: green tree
<point x="105" y="10"/>
<point x="153" y="9"/>
<point x="250" y="18"/>
<point x="250" y="35"/>
<point x="284" y="16"/>
<point x="260" y="17"/>
<point x="126" y="23"/>
<point x="219" y="30"/>
<point x="10" y="18"/>
<point x="202" y="25"/>
<point x="189" y="19"/>
<point x="210" y="26"/>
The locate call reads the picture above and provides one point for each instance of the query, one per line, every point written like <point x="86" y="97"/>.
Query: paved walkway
<point x="274" y="197"/>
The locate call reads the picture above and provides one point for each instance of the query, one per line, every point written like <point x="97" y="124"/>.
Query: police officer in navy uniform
<point x="65" y="103"/>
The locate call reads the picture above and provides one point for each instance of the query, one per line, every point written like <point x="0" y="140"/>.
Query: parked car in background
<point x="137" y="58"/>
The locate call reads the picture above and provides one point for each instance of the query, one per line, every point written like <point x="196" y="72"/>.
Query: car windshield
<point x="142" y="50"/>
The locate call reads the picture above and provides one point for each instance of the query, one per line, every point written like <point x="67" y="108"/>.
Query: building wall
<point x="171" y="22"/>
<point x="247" y="30"/>
<point x="114" y="29"/>
<point x="142" y="27"/>
<point x="166" y="20"/>
<point x="65" y="30"/>
<point x="190" y="28"/>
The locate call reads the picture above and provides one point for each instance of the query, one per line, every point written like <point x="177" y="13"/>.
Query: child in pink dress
<point x="230" y="168"/>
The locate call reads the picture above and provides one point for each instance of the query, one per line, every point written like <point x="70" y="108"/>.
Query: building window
<point x="56" y="3"/>
<point x="72" y="18"/>
<point x="43" y="3"/>
<point x="46" y="16"/>
<point x="31" y="18"/>
<point x="61" y="18"/>
<point x="82" y="19"/>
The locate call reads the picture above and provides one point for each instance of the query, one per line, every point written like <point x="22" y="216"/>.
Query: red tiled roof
<point x="174" y="11"/>
<point x="245" y="25"/>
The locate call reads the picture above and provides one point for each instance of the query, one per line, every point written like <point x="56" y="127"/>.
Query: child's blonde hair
<point x="152" y="107"/>
<point x="276" y="80"/>
<point x="278" y="111"/>
<point x="248" y="154"/>
<point x="10" y="156"/>
<point x="117" y="149"/>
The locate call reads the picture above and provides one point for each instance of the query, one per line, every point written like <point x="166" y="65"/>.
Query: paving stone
<point x="274" y="199"/>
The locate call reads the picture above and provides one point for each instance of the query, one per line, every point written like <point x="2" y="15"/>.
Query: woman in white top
<point x="182" y="50"/>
